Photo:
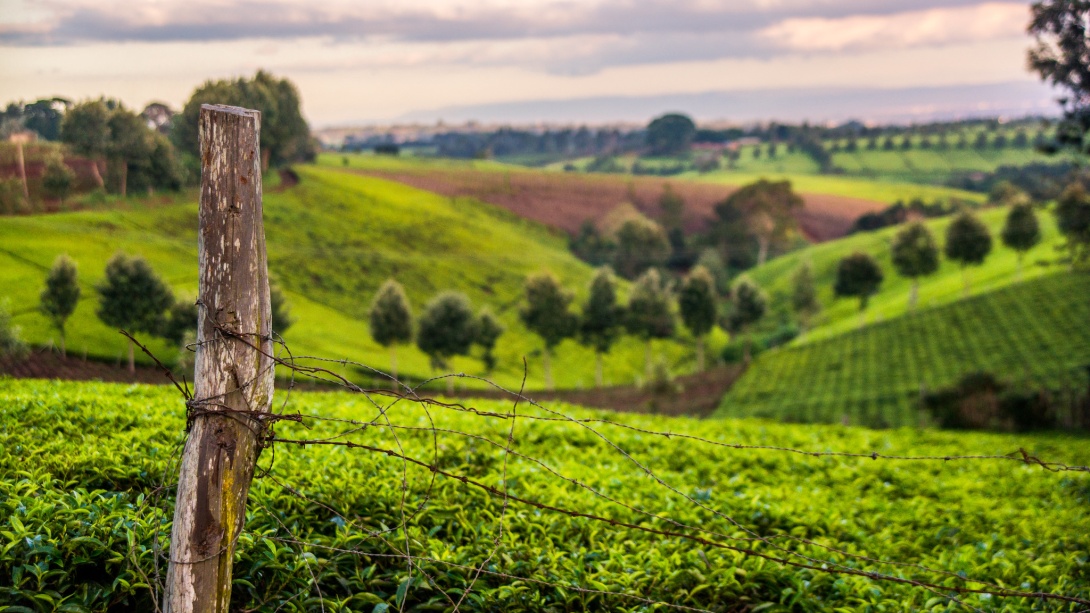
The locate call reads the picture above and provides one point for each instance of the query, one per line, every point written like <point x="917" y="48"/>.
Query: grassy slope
<point x="333" y="240"/>
<point x="993" y="520"/>
<point x="1034" y="332"/>
<point x="842" y="314"/>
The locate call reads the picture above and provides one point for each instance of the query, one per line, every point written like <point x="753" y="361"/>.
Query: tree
<point x="285" y="136"/>
<point x="1073" y="219"/>
<point x="446" y="329"/>
<point x="769" y="208"/>
<point x="641" y="244"/>
<point x="489" y="330"/>
<point x="60" y="296"/>
<point x="86" y="129"/>
<point x="670" y="134"/>
<point x="391" y="321"/>
<point x="697" y="302"/>
<point x="545" y="312"/>
<point x="671" y="208"/>
<point x="804" y="298"/>
<point x="602" y="318"/>
<point x="1061" y="57"/>
<point x="590" y="246"/>
<point x="967" y="242"/>
<point x="748" y="305"/>
<point x="1006" y="193"/>
<point x="281" y="311"/>
<point x="858" y="276"/>
<point x="57" y="179"/>
<point x="131" y="144"/>
<point x="731" y="235"/>
<point x="1021" y="232"/>
<point x="181" y="321"/>
<point x="11" y="341"/>
<point x="648" y="313"/>
<point x="132" y="297"/>
<point x="915" y="255"/>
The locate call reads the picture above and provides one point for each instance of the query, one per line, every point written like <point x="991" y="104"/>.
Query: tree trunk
<point x="64" y="352"/>
<point x="96" y="174"/>
<point x="234" y="367"/>
<point x="1020" y="255"/>
<point x="598" y="369"/>
<point x="393" y="366"/>
<point x="548" y="369"/>
<point x="124" y="187"/>
<point x="965" y="280"/>
<point x="913" y="293"/>
<point x="22" y="170"/>
<point x="649" y="374"/>
<point x="762" y="253"/>
<point x="700" y="354"/>
<point x="132" y="362"/>
<point x="450" y="385"/>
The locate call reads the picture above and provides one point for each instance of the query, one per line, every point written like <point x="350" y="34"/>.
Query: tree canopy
<point x="641" y="244"/>
<point x="1061" y="56"/>
<point x="968" y="240"/>
<point x="748" y="304"/>
<point x="391" y="317"/>
<point x="699" y="307"/>
<point x="61" y="294"/>
<point x="133" y="297"/>
<point x="489" y="331"/>
<point x="1073" y="219"/>
<point x="858" y="276"/>
<point x="768" y="210"/>
<point x="447" y="328"/>
<point x="1021" y="231"/>
<point x="670" y="134"/>
<point x="804" y="291"/>
<point x="915" y="253"/>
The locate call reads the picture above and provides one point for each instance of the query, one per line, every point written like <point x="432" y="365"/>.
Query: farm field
<point x="333" y="239"/>
<point x="80" y="521"/>
<point x="840" y="315"/>
<point x="1033" y="332"/>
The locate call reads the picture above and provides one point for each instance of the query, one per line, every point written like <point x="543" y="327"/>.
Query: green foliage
<point x="391" y="317"/>
<point x="768" y="207"/>
<point x="1073" y="220"/>
<point x="859" y="276"/>
<point x="447" y="328"/>
<point x="131" y="296"/>
<point x="697" y="302"/>
<point x="1033" y="333"/>
<point x="648" y="315"/>
<point x="86" y="128"/>
<point x="181" y="321"/>
<point x="1061" y="56"/>
<point x="804" y="298"/>
<point x="58" y="178"/>
<point x="61" y="294"/>
<point x="1022" y="231"/>
<point x="670" y="134"/>
<point x="641" y="244"/>
<point x="748" y="304"/>
<point x="489" y="330"/>
<point x="1005" y="193"/>
<point x="968" y="240"/>
<point x="590" y="246"/>
<point x="285" y="136"/>
<point x="80" y="465"/>
<point x="281" y="311"/>
<point x="545" y="310"/>
<point x="915" y="253"/>
<point x="11" y="340"/>
<point x="671" y="208"/>
<point x="602" y="319"/>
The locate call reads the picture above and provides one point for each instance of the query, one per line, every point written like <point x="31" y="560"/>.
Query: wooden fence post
<point x="233" y="382"/>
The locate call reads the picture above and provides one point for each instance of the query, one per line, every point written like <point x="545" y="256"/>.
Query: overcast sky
<point x="378" y="60"/>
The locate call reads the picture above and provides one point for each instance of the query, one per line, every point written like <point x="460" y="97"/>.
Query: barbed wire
<point x="305" y="366"/>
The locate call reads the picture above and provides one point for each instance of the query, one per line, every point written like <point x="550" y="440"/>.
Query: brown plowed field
<point x="565" y="200"/>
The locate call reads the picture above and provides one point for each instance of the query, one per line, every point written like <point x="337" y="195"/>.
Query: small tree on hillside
<point x="641" y="244"/>
<point x="858" y="276"/>
<point x="698" y="305"/>
<point x="86" y="129"/>
<point x="967" y="242"/>
<point x="281" y="310"/>
<point x="1073" y="219"/>
<point x="489" y="330"/>
<point x="649" y="315"/>
<point x="670" y="134"/>
<point x="11" y="341"/>
<point x="181" y="321"/>
<point x="446" y="329"/>
<point x="58" y="178"/>
<point x="748" y="305"/>
<point x="132" y="297"/>
<point x="602" y="318"/>
<point x="61" y="294"/>
<point x="915" y="255"/>
<point x="671" y="208"/>
<point x="804" y="298"/>
<point x="545" y="312"/>
<point x="1021" y="232"/>
<point x="1006" y="193"/>
<point x="391" y="321"/>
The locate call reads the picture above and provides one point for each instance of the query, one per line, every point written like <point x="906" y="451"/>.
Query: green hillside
<point x="842" y="314"/>
<point x="1034" y="332"/>
<point x="82" y="515"/>
<point x="333" y="239"/>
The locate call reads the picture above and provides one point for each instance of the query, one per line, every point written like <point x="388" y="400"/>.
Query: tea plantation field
<point x="1034" y="332"/>
<point x="80" y="524"/>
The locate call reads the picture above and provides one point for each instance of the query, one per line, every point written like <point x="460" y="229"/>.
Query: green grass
<point x="839" y="315"/>
<point x="1034" y="332"/>
<point x="333" y="240"/>
<point x="934" y="165"/>
<point x="841" y="185"/>
<point x="79" y="464"/>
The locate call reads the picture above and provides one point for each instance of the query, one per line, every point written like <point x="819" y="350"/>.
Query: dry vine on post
<point x="233" y="384"/>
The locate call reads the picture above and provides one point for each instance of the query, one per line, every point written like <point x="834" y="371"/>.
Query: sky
<point x="379" y="61"/>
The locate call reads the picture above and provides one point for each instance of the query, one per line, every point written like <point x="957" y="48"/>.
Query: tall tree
<point x="131" y="144"/>
<point x="489" y="331"/>
<point x="968" y="242"/>
<point x="61" y="294"/>
<point x="545" y="311"/>
<point x="699" y="308"/>
<point x="769" y="208"/>
<point x="132" y="297"/>
<point x="86" y="129"/>
<point x="1073" y="219"/>
<point x="57" y="179"/>
<point x="858" y="276"/>
<point x="602" y="318"/>
<point x="446" y="329"/>
<point x="391" y="321"/>
<point x="915" y="255"/>
<point x="671" y="208"/>
<point x="732" y="237"/>
<point x="1061" y="57"/>
<point x="641" y="244"/>
<point x="648" y="315"/>
<point x="804" y="298"/>
<point x="748" y="305"/>
<point x="1021" y="232"/>
<point x="670" y="134"/>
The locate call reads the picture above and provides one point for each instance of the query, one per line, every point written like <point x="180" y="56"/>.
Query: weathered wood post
<point x="233" y="382"/>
